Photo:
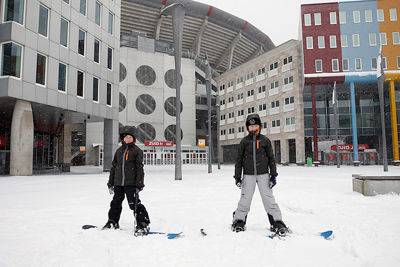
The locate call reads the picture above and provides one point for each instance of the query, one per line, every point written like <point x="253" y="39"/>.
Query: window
<point x="222" y="102"/>
<point x="289" y="100"/>
<point x="66" y="1"/>
<point x="380" y="15"/>
<point x="41" y="69"/>
<point x="398" y="62"/>
<point x="384" y="63"/>
<point x="110" y="23"/>
<point x="393" y="14"/>
<point x="290" y="121"/>
<point x="332" y="16"/>
<point x="335" y="64"/>
<point x="356" y="40"/>
<point x="374" y="63"/>
<point x="249" y="76"/>
<point x="318" y="65"/>
<point x="261" y="89"/>
<point x="97" y="18"/>
<point x="81" y="42"/>
<point x="80" y="83"/>
<point x="358" y="65"/>
<point x="95" y="89"/>
<point x="382" y="38"/>
<point x="275" y="104"/>
<point x="109" y="58"/>
<point x="240" y="96"/>
<point x="275" y="84"/>
<point x="11" y="60"/>
<point x="262" y="107"/>
<point x="62" y="77"/>
<point x="287" y="60"/>
<point x="43" y="20"/>
<point x="240" y="112"/>
<point x="342" y="17"/>
<point x="250" y="110"/>
<point x="239" y="80"/>
<point x="231" y="115"/>
<point x="368" y="15"/>
<point x="273" y="66"/>
<point x="223" y="132"/>
<point x="250" y="92"/>
<point x="230" y="84"/>
<point x="321" y="42"/>
<point x="345" y="63"/>
<point x="231" y="130"/>
<point x="14" y="11"/>
<point x="82" y="7"/>
<point x="307" y="19"/>
<point x="276" y="123"/>
<point x="372" y="39"/>
<point x="240" y="129"/>
<point x="222" y="87"/>
<point x="288" y="80"/>
<point x="109" y="94"/>
<point x="261" y="71"/>
<point x="356" y="16"/>
<point x="343" y="40"/>
<point x="396" y="38"/>
<point x="231" y="99"/>
<point x="332" y="41"/>
<point x="222" y="117"/>
<point x="263" y="125"/>
<point x="96" y="56"/>
<point x="317" y="18"/>
<point x="309" y="41"/>
<point x="64" y="32"/>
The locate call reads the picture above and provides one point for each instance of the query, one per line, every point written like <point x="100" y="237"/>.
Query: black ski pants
<point x="142" y="217"/>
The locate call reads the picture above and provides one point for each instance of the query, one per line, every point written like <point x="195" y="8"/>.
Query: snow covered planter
<point x="376" y="185"/>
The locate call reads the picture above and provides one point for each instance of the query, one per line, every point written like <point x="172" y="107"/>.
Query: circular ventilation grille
<point x="145" y="75"/>
<point x="122" y="102"/>
<point x="170" y="106"/>
<point x="122" y="72"/>
<point x="145" y="132"/>
<point x="170" y="133"/>
<point x="169" y="79"/>
<point x="145" y="104"/>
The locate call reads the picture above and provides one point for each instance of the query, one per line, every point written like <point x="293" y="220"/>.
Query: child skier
<point x="255" y="157"/>
<point x="126" y="178"/>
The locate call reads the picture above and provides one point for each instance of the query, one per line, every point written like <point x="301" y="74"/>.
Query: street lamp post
<point x="208" y="88"/>
<point x="381" y="79"/>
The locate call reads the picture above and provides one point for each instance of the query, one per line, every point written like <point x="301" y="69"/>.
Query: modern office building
<point x="341" y="44"/>
<point x="270" y="85"/>
<point x="59" y="69"/>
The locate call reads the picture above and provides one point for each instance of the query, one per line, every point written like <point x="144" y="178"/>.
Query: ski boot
<point x="142" y="229"/>
<point x="279" y="228"/>
<point x="111" y="225"/>
<point x="238" y="226"/>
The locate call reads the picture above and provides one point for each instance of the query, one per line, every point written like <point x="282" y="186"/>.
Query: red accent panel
<point x="324" y="80"/>
<point x="209" y="11"/>
<point x="245" y="25"/>
<point x="325" y="29"/>
<point x="164" y="2"/>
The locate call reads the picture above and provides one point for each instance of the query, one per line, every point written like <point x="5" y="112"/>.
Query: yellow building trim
<point x="393" y="116"/>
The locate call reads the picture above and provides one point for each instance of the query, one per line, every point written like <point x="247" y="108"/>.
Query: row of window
<point x="368" y="17"/>
<point x="358" y="65"/>
<point x="11" y="61"/>
<point x="262" y="89"/>
<point x="261" y="107"/>
<point x="274" y="123"/>
<point x="14" y="11"/>
<point x="355" y="38"/>
<point x="260" y="71"/>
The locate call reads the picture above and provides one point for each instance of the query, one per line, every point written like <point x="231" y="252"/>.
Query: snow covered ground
<point x="41" y="219"/>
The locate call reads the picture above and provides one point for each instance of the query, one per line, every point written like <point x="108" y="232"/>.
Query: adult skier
<point x="256" y="159"/>
<point x="126" y="178"/>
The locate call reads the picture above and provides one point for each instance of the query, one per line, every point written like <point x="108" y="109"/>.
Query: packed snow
<point x="41" y="219"/>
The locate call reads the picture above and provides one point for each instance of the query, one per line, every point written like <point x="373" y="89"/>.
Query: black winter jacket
<point x="127" y="166"/>
<point x="264" y="157"/>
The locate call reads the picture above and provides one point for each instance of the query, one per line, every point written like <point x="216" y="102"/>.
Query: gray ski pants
<point x="248" y="188"/>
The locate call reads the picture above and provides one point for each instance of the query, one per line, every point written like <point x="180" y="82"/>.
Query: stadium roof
<point x="227" y="40"/>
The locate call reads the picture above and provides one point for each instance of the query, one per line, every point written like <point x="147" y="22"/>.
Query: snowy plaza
<point x="41" y="219"/>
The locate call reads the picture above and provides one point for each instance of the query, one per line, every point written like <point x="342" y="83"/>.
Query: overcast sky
<point x="279" y="19"/>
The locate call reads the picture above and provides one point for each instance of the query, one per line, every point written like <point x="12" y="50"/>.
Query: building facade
<point x="271" y="86"/>
<point x="59" y="66"/>
<point x="341" y="44"/>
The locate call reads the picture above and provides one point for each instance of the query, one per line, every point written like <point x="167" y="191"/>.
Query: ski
<point x="203" y="232"/>
<point x="169" y="235"/>
<point x="88" y="226"/>
<point x="328" y="235"/>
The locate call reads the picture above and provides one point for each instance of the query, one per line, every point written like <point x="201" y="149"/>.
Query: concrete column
<point x="315" y="130"/>
<point x="111" y="138"/>
<point x="284" y="151"/>
<point x="393" y="118"/>
<point x="354" y="124"/>
<point x="21" y="154"/>
<point x="300" y="151"/>
<point x="65" y="149"/>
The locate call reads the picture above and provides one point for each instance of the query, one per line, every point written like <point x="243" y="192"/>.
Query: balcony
<point x="231" y="136"/>
<point x="289" y="128"/>
<point x="221" y="92"/>
<point x="222" y="122"/>
<point x="275" y="130"/>
<point x="260" y="77"/>
<point x="239" y="118"/>
<point x="249" y="81"/>
<point x="249" y="99"/>
<point x="222" y="137"/>
<point x="239" y="85"/>
<point x="264" y="131"/>
<point x="229" y="105"/>
<point x="273" y="72"/>
<point x="222" y="107"/>
<point x="274" y="91"/>
<point x="288" y="107"/>
<point x="231" y="120"/>
<point x="239" y="102"/>
<point x="273" y="111"/>
<point x="262" y="113"/>
<point x="287" y="87"/>
<point x="240" y="135"/>
<point x="287" y="67"/>
<point x="261" y="95"/>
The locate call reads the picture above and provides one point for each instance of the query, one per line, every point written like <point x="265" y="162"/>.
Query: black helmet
<point x="253" y="119"/>
<point x="127" y="130"/>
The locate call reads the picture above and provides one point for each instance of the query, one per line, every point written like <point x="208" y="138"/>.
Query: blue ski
<point x="169" y="235"/>
<point x="326" y="235"/>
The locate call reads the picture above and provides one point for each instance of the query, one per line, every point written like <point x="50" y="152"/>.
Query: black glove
<point x="110" y="188"/>
<point x="139" y="188"/>
<point x="238" y="182"/>
<point x="272" y="181"/>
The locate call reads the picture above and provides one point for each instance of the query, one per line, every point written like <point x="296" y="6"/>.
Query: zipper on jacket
<point x="254" y="155"/>
<point x="123" y="166"/>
